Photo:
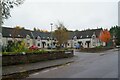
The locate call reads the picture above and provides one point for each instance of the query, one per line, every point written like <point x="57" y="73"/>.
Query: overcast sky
<point x="75" y="14"/>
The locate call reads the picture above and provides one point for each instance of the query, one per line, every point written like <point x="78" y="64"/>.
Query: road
<point x="87" y="65"/>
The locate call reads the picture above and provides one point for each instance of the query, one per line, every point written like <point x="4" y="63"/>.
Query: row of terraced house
<point x="86" y="38"/>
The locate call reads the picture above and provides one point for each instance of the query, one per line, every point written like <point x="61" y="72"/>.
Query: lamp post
<point x="51" y="36"/>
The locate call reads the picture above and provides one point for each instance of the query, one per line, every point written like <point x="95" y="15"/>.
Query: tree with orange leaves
<point x="105" y="36"/>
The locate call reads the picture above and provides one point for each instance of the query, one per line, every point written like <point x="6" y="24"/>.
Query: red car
<point x="33" y="47"/>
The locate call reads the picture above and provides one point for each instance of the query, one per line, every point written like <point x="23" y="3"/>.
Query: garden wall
<point x="15" y="59"/>
<point x="94" y="50"/>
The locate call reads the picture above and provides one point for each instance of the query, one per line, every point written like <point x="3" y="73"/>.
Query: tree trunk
<point x="0" y="18"/>
<point x="106" y="44"/>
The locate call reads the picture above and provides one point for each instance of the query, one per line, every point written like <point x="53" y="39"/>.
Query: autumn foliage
<point x="105" y="36"/>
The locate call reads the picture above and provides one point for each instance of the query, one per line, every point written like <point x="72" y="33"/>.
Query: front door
<point x="88" y="44"/>
<point x="43" y="44"/>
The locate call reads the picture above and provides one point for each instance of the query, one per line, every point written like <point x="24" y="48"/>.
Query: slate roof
<point x="6" y="32"/>
<point x="84" y="34"/>
<point x="43" y="35"/>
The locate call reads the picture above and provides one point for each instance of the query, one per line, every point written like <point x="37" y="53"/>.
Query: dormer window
<point x="9" y="34"/>
<point x="38" y="38"/>
<point x="48" y="38"/>
<point x="93" y="37"/>
<point x="27" y="37"/>
<point x="18" y="35"/>
<point x="80" y="36"/>
<point x="55" y="39"/>
<point x="75" y="38"/>
<point x="87" y="36"/>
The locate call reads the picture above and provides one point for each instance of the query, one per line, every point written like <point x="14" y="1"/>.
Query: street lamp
<point x="51" y="35"/>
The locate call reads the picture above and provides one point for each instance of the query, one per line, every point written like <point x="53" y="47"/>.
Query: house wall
<point x="72" y="43"/>
<point x="75" y="42"/>
<point x="4" y="41"/>
<point x="45" y="45"/>
<point x="29" y="42"/>
<point x="92" y="44"/>
<point x="84" y="42"/>
<point x="38" y="43"/>
<point x="48" y="43"/>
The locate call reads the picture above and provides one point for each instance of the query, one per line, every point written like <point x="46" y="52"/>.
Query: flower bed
<point x="29" y="57"/>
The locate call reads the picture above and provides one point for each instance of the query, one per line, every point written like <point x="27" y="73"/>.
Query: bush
<point x="37" y="56"/>
<point x="18" y="46"/>
<point x="98" y="46"/>
<point x="38" y="51"/>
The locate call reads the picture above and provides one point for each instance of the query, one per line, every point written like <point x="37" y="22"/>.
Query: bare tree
<point x="61" y="34"/>
<point x="5" y="7"/>
<point x="15" y="32"/>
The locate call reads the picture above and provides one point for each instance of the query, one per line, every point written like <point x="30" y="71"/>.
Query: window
<point x="38" y="38"/>
<point x="93" y="43"/>
<point x="55" y="39"/>
<point x="80" y="36"/>
<point x="80" y="42"/>
<point x="75" y="38"/>
<point x="28" y="44"/>
<point x="68" y="44"/>
<point x="54" y="43"/>
<point x="93" y="37"/>
<point x="75" y="44"/>
<point x="47" y="39"/>
<point x="47" y="44"/>
<point x="18" y="35"/>
<point x="9" y="34"/>
<point x="10" y="42"/>
<point x="28" y="37"/>
<point x="38" y="44"/>
<point x="87" y="35"/>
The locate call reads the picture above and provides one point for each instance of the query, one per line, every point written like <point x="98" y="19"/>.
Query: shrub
<point x="18" y="46"/>
<point x="98" y="47"/>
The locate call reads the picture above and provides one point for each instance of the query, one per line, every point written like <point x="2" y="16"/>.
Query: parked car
<point x="118" y="46"/>
<point x="53" y="47"/>
<point x="33" y="47"/>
